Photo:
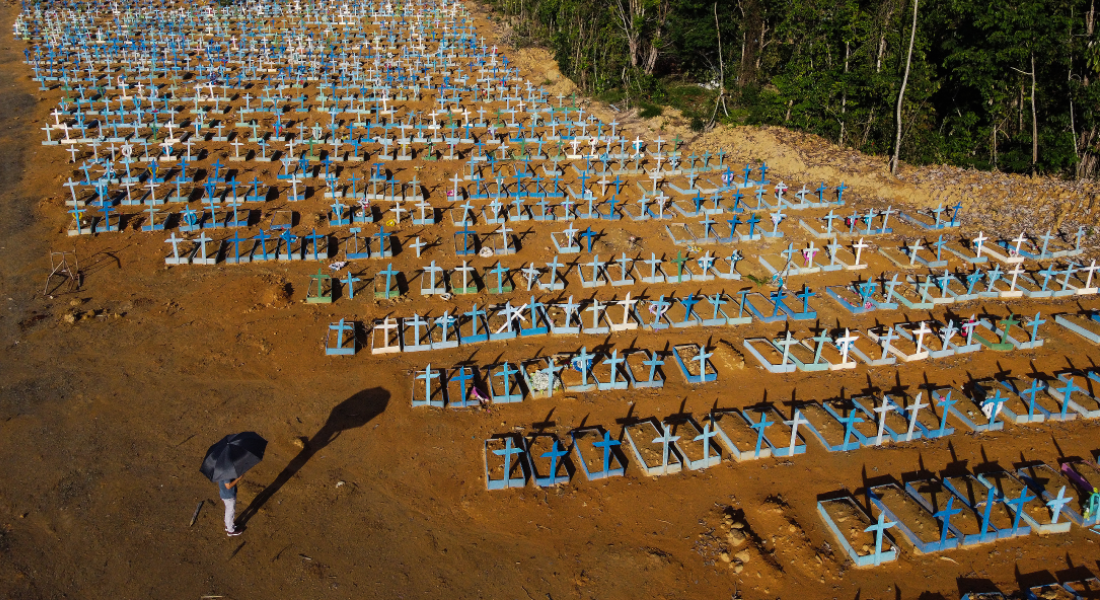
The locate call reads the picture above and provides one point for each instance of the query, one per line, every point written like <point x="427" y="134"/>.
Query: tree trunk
<point x="993" y="145"/>
<point x="761" y="45"/>
<point x="1034" y="122"/>
<point x="901" y="93"/>
<point x="844" y="94"/>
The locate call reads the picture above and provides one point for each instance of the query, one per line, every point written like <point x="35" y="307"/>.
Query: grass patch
<point x="756" y="280"/>
<point x="649" y="111"/>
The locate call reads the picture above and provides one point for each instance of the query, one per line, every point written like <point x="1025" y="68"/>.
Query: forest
<point x="1009" y="85"/>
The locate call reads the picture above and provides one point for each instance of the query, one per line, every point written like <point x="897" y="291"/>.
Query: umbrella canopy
<point x="233" y="456"/>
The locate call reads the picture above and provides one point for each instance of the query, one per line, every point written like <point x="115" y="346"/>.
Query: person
<point x="228" y="491"/>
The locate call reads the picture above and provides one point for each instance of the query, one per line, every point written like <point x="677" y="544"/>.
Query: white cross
<point x="913" y="409"/>
<point x="386" y="326"/>
<point x="845" y="345"/>
<point x="1020" y="240"/>
<point x="882" y="409"/>
<point x="859" y="248"/>
<point x="978" y="241"/>
<point x="1015" y="272"/>
<point x="921" y="332"/>
<point x="1091" y="268"/>
<point x="916" y="247"/>
<point x="793" y="424"/>
<point x="627" y="303"/>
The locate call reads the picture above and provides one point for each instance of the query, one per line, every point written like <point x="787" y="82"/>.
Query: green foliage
<point x="648" y="111"/>
<point x="834" y="68"/>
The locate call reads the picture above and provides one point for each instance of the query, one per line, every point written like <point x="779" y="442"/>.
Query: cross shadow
<point x="355" y="412"/>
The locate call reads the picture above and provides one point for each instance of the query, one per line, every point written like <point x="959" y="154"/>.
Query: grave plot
<point x="654" y="448"/>
<point x="645" y="368"/>
<point x="1010" y="394"/>
<point x="739" y="436"/>
<point x="504" y="384"/>
<point x="994" y="515"/>
<point x="694" y="363"/>
<point x="505" y="465"/>
<point x="598" y="455"/>
<point x="696" y="444"/>
<point x="860" y="428"/>
<point x="966" y="524"/>
<point x="769" y="356"/>
<point x="1086" y="476"/>
<point x="1077" y="392"/>
<point x="833" y="435"/>
<point x="976" y="415"/>
<point x="549" y="460"/>
<point x="1027" y="507"/>
<point x="462" y="388"/>
<point x="886" y="418"/>
<point x="862" y="539"/>
<point x="784" y="436"/>
<point x="924" y="532"/>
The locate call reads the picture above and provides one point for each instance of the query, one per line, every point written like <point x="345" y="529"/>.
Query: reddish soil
<point x="110" y="396"/>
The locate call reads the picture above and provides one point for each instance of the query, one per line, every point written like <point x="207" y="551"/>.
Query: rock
<point x="738" y="525"/>
<point x="725" y="557"/>
<point x="299" y="442"/>
<point x="70" y="318"/>
<point x="736" y="537"/>
<point x="743" y="556"/>
<point x="737" y="568"/>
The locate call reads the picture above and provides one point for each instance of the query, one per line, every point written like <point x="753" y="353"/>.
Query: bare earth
<point x="109" y="397"/>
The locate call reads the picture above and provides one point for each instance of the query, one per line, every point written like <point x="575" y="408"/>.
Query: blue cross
<point x="760" y="427"/>
<point x="606" y="444"/>
<point x="945" y="517"/>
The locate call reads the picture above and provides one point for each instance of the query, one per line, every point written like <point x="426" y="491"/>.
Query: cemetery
<point x="488" y="305"/>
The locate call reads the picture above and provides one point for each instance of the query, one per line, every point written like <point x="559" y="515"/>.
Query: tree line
<point x="995" y="84"/>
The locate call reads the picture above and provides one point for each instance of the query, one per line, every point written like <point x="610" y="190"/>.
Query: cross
<point x="428" y="375"/>
<point x="859" y="246"/>
<point x="1006" y="324"/>
<point x="913" y="409"/>
<point x="1067" y="393"/>
<point x="786" y="343"/>
<point x="945" y="403"/>
<point x="665" y="439"/>
<point x="1018" y="508"/>
<point x="995" y="404"/>
<point x="171" y="240"/>
<point x="920" y="333"/>
<point x="1056" y="504"/>
<point x="882" y="409"/>
<point x="879" y="530"/>
<point x="507" y="453"/>
<point x="606" y="444"/>
<point x="705" y="438"/>
<point x="760" y="427"/>
<point x="589" y="234"/>
<point x="793" y="424"/>
<point x="1031" y="391"/>
<point x="945" y="517"/>
<point x="554" y="454"/>
<point x="845" y="345"/>
<point x="849" y="424"/>
<point x="978" y="241"/>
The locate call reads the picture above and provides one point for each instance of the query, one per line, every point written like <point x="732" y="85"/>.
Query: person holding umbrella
<point x="226" y="463"/>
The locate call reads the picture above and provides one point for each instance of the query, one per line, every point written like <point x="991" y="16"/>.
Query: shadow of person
<point x="352" y="413"/>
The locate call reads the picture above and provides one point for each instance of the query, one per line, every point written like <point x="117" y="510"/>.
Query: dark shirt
<point x="226" y="492"/>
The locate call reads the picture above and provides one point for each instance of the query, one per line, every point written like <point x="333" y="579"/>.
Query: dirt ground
<point x="110" y="395"/>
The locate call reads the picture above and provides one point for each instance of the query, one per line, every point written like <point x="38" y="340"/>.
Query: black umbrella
<point x="233" y="456"/>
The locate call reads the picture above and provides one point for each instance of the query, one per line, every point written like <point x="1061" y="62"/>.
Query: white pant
<point x="230" y="512"/>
